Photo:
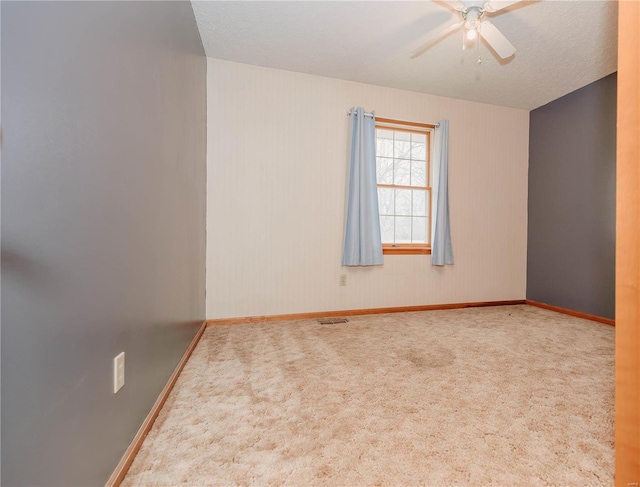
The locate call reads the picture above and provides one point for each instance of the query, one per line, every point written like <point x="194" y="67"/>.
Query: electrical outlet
<point x="343" y="279"/>
<point x="118" y="372"/>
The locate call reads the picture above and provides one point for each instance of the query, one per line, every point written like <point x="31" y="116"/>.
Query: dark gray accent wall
<point x="572" y="195"/>
<point x="103" y="225"/>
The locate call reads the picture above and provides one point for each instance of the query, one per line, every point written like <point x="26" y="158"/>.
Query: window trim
<point x="420" y="128"/>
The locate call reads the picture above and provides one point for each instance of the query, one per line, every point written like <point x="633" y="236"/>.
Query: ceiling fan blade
<point x="435" y="38"/>
<point x="497" y="5"/>
<point x="496" y="40"/>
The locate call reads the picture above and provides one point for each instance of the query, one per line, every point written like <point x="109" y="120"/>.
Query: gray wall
<point x="572" y="195"/>
<point x="103" y="225"/>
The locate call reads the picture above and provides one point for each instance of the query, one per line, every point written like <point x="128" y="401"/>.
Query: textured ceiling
<point x="561" y="45"/>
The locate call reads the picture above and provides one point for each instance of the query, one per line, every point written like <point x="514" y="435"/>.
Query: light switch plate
<point x="118" y="372"/>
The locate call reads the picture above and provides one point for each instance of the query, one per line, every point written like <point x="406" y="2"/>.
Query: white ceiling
<point x="561" y="45"/>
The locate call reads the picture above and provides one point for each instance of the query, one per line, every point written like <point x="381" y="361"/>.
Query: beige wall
<point x="277" y="150"/>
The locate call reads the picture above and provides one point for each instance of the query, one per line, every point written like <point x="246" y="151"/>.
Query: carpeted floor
<point x="511" y="395"/>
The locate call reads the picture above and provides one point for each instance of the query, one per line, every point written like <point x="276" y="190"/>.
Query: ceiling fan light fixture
<point x="472" y="34"/>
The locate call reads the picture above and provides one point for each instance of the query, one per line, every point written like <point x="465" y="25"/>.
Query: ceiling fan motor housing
<point x="472" y="17"/>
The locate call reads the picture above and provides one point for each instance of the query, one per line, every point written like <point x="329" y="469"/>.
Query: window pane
<point x="419" y="206"/>
<point x="419" y="138"/>
<point x="384" y="143"/>
<point x="419" y="234"/>
<point x="418" y="173"/>
<point x="385" y="201"/>
<point x="402" y="145"/>
<point x="403" y="229"/>
<point x="403" y="202"/>
<point x="384" y="170"/>
<point x="418" y="152"/>
<point x="386" y="229"/>
<point x="402" y="172"/>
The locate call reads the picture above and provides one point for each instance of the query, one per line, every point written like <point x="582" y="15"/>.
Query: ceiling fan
<point x="472" y="14"/>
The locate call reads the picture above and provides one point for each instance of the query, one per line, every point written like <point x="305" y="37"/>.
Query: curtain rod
<point x="367" y="114"/>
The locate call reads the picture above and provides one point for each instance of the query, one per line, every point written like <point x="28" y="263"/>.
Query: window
<point x="403" y="153"/>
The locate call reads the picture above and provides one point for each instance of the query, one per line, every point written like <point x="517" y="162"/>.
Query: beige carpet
<point x="507" y="396"/>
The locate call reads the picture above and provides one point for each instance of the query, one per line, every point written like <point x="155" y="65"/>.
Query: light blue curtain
<point x="441" y="249"/>
<point x="362" y="241"/>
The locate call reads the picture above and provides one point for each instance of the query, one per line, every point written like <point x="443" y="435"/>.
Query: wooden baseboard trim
<point x="577" y="314"/>
<point x="354" y="312"/>
<point x="129" y="455"/>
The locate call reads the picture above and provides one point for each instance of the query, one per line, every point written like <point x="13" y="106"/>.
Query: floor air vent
<point x="332" y="321"/>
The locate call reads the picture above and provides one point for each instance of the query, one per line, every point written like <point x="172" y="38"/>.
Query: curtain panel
<point x="441" y="248"/>
<point x="362" y="241"/>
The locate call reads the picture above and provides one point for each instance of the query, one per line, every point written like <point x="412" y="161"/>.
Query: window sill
<point x="406" y="249"/>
